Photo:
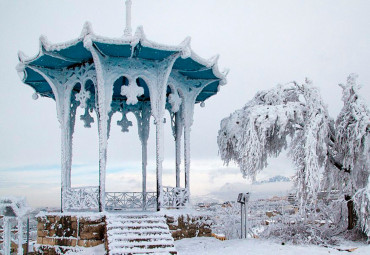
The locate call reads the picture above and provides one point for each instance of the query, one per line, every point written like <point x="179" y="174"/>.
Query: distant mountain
<point x="277" y="178"/>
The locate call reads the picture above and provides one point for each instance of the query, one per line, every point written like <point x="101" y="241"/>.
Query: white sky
<point x="263" y="43"/>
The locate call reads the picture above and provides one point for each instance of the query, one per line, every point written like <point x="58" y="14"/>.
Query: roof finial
<point x="128" y="30"/>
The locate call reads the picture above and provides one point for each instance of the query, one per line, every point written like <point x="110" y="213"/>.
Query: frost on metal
<point x="327" y="155"/>
<point x="175" y="197"/>
<point x="132" y="92"/>
<point x="88" y="73"/>
<point x="13" y="209"/>
<point x="84" y="198"/>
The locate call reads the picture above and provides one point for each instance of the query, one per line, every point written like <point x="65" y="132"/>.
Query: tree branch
<point x="337" y="164"/>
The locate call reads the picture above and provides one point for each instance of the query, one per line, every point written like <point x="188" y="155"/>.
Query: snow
<point x="327" y="156"/>
<point x="96" y="250"/>
<point x="213" y="246"/>
<point x="132" y="92"/>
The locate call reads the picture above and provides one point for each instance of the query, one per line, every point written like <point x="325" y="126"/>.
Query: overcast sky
<point x="263" y="43"/>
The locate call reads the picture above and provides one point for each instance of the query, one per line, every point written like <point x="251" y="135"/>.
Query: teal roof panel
<point x="152" y="53"/>
<point x="187" y="64"/>
<point x="75" y="52"/>
<point x="52" y="62"/>
<point x="114" y="50"/>
<point x="201" y="74"/>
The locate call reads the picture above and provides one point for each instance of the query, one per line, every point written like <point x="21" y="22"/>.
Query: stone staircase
<point x="138" y="234"/>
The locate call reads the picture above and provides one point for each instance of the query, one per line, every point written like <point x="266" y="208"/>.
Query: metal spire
<point x="128" y="30"/>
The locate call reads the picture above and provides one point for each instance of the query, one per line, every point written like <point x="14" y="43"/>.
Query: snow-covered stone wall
<point x="57" y="233"/>
<point x="188" y="226"/>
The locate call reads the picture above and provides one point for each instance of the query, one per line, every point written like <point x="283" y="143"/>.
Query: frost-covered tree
<point x="327" y="155"/>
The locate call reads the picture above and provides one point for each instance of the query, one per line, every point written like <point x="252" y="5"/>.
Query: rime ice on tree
<point x="129" y="74"/>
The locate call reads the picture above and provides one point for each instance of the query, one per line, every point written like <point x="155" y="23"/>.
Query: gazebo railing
<point x="81" y="198"/>
<point x="174" y="197"/>
<point x="87" y="199"/>
<point x="130" y="201"/>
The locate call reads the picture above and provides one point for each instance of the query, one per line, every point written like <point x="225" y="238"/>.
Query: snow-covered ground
<point x="212" y="246"/>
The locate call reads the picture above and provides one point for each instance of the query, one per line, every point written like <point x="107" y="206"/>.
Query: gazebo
<point x="129" y="74"/>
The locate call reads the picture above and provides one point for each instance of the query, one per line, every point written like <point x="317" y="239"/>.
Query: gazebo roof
<point x="74" y="53"/>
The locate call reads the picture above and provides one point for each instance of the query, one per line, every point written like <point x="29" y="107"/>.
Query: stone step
<point x="137" y="231"/>
<point x="120" y="251"/>
<point x="134" y="216"/>
<point x="146" y="238"/>
<point x="143" y="244"/>
<point x="139" y="234"/>
<point x="136" y="226"/>
<point x="137" y="221"/>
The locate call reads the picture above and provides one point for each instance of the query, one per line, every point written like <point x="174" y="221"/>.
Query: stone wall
<point x="54" y="232"/>
<point x="188" y="226"/>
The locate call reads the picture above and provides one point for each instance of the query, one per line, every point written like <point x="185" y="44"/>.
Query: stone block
<point x="172" y="227"/>
<point x="91" y="222"/>
<point x="48" y="241"/>
<point x="89" y="243"/>
<point x="74" y="242"/>
<point x="63" y="227"/>
<point x="74" y="225"/>
<point x="39" y="240"/>
<point x="88" y="232"/>
<point x="42" y="233"/>
<point x="51" y="233"/>
<point x="40" y="226"/>
<point x="65" y="242"/>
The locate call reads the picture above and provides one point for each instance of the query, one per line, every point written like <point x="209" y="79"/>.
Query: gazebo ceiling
<point x="73" y="53"/>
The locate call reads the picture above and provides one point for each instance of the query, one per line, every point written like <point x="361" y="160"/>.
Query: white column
<point x="159" y="159"/>
<point x="62" y="94"/>
<point x="157" y="90"/>
<point x="178" y="130"/>
<point x="104" y="90"/>
<point x="188" y="111"/>
<point x="187" y="156"/>
<point x="6" y="236"/>
<point x="143" y="121"/>
<point x="144" y="159"/>
<point x="20" y="237"/>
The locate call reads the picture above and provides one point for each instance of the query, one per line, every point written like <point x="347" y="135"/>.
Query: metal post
<point x="6" y="243"/>
<point x="20" y="236"/>
<point x="245" y="220"/>
<point x="241" y="221"/>
<point x="28" y="234"/>
<point x="128" y="29"/>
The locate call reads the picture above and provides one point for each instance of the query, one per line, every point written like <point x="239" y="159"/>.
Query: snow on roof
<point x="75" y="52"/>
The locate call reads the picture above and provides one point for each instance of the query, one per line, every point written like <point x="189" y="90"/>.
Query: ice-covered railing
<point x="13" y="215"/>
<point x="172" y="197"/>
<point x="175" y="197"/>
<point x="81" y="198"/>
<point x="130" y="200"/>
